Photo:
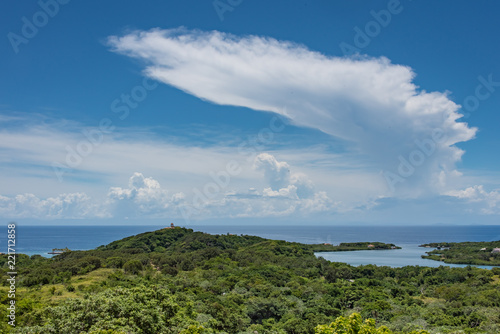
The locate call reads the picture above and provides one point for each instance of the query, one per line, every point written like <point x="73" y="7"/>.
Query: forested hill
<point x="179" y="281"/>
<point x="179" y="239"/>
<point x="182" y="240"/>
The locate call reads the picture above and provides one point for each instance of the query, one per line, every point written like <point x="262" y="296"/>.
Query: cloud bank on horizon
<point x="368" y="102"/>
<point x="285" y="193"/>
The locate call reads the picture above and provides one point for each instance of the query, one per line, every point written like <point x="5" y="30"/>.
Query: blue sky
<point x="250" y="112"/>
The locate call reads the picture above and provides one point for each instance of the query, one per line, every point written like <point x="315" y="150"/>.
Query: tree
<point x="194" y="329"/>
<point x="355" y="325"/>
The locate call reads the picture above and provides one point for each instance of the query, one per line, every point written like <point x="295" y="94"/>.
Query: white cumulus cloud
<point x="281" y="181"/>
<point x="144" y="195"/>
<point x="285" y="193"/>
<point x="277" y="173"/>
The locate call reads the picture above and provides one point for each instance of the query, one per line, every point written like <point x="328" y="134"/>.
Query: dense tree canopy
<point x="180" y="281"/>
<point x="479" y="253"/>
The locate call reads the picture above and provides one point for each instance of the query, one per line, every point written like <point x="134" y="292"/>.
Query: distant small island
<point x="351" y="246"/>
<point x="474" y="253"/>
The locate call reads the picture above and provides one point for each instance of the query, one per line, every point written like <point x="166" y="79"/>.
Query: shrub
<point x="133" y="267"/>
<point x="115" y="262"/>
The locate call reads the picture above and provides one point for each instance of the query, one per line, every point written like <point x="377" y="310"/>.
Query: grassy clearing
<point x="51" y="294"/>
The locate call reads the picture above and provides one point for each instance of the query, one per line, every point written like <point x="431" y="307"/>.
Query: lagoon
<point x="409" y="255"/>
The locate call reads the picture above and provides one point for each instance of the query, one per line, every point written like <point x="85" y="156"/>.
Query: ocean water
<point x="41" y="239"/>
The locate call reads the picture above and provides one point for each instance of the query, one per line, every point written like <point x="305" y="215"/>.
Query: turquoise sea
<point x="41" y="239"/>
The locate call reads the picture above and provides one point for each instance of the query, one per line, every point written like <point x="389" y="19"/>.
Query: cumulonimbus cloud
<point x="368" y="102"/>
